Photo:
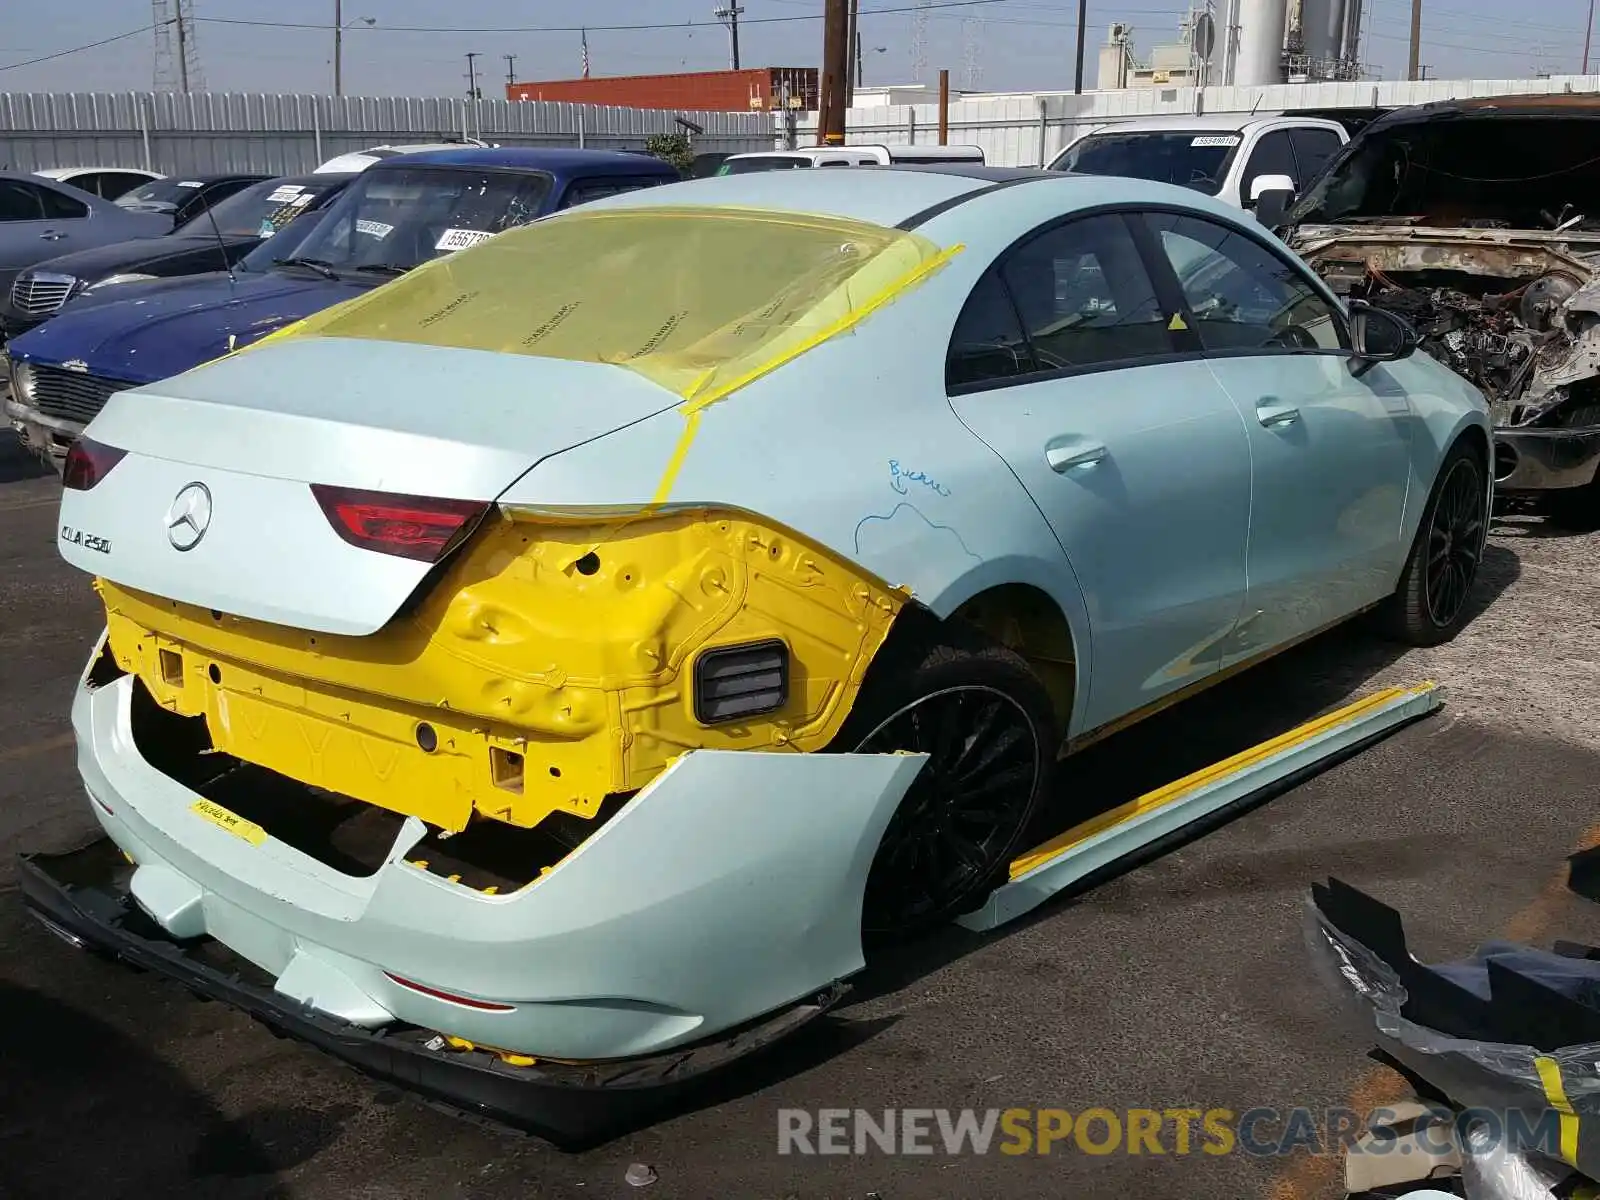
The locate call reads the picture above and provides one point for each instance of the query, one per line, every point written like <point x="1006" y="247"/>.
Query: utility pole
<point x="338" y="47"/>
<point x="853" y="72"/>
<point x="472" y="73"/>
<point x="729" y="14"/>
<point x="1587" y="31"/>
<point x="511" y="71"/>
<point x="183" y="49"/>
<point x="1083" y="22"/>
<point x="835" y="70"/>
<point x="944" y="106"/>
<point x="1416" y="40"/>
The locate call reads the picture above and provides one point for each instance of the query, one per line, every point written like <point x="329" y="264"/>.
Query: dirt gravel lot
<point x="1181" y="983"/>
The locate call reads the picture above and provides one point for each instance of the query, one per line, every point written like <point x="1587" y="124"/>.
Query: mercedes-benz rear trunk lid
<point x="315" y="482"/>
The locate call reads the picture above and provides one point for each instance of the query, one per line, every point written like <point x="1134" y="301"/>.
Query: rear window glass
<point x="773" y="162"/>
<point x="700" y="300"/>
<point x="259" y="210"/>
<point x="163" y="195"/>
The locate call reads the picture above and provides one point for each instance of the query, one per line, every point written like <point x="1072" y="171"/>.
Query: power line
<point x="813" y="16"/>
<point x="77" y="49"/>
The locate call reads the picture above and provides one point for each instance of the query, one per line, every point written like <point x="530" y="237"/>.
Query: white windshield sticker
<point x="460" y="239"/>
<point x="375" y="229"/>
<point x="190" y="183"/>
<point x="302" y="199"/>
<point x="1216" y="139"/>
<point x="287" y="192"/>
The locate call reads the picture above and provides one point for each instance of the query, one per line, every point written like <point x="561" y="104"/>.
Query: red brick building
<point x="693" y="91"/>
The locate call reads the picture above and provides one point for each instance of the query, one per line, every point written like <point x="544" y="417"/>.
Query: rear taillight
<point x="88" y="462"/>
<point x="419" y="527"/>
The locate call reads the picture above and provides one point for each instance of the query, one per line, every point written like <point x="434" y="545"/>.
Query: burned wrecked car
<point x="1479" y="221"/>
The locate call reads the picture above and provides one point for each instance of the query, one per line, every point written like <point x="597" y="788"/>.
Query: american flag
<point x="586" y="54"/>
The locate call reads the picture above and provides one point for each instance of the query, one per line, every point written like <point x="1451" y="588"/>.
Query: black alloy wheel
<point x="959" y="823"/>
<point x="1455" y="543"/>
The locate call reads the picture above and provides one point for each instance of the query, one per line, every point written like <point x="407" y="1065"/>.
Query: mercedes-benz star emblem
<point x="189" y="516"/>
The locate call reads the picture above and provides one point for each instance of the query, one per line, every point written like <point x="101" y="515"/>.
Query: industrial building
<point x="1245" y="43"/>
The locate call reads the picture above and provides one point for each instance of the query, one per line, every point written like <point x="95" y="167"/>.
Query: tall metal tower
<point x="972" y="39"/>
<point x="177" y="57"/>
<point x="919" y="42"/>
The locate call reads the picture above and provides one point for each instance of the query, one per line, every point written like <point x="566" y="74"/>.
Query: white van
<point x="1232" y="156"/>
<point x="846" y="156"/>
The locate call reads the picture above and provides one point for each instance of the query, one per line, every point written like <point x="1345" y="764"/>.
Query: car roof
<point x="890" y="196"/>
<point x="954" y="153"/>
<point x="211" y="176"/>
<point x="1577" y="106"/>
<point x="967" y="170"/>
<point x="558" y="160"/>
<point x="64" y="173"/>
<point x="1228" y="121"/>
<point x="313" y="179"/>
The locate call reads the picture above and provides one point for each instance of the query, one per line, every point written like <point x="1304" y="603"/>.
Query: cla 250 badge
<point x="89" y="541"/>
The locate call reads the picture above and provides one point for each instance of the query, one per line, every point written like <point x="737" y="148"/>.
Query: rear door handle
<point x="1070" y="455"/>
<point x="1272" y="415"/>
<point x="50" y="235"/>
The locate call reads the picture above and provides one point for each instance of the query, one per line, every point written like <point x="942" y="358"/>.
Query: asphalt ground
<point x="1182" y="983"/>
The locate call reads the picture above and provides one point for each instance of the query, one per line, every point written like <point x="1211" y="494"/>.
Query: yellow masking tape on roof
<point x="848" y="310"/>
<point x="698" y="299"/>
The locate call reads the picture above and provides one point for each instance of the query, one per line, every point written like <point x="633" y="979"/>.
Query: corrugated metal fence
<point x="218" y="131"/>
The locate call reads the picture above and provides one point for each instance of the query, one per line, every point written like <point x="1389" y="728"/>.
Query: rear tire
<point x="987" y="725"/>
<point x="1430" y="605"/>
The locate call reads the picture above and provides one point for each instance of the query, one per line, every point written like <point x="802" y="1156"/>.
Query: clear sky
<point x="993" y="44"/>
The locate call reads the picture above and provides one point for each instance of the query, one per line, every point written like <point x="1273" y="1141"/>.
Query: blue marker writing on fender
<point x="901" y="479"/>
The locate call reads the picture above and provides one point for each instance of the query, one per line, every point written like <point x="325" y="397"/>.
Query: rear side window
<point x="20" y="201"/>
<point x="988" y="342"/>
<point x="58" y="206"/>
<point x="1085" y="297"/>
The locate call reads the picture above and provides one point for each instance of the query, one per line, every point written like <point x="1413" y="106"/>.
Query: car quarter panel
<point x="854" y="446"/>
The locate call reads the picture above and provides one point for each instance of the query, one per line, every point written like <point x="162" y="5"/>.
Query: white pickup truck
<point x="847" y="156"/>
<point x="1236" y="157"/>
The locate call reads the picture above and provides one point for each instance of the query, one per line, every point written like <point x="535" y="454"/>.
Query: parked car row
<point x="285" y="248"/>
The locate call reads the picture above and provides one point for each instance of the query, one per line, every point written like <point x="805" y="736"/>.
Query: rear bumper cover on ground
<point x="82" y="897"/>
<point x="1533" y="460"/>
<point x="730" y="887"/>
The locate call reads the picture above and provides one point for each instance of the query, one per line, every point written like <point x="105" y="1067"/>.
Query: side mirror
<point x="1271" y="197"/>
<point x="1270" y="183"/>
<point x="1378" y="335"/>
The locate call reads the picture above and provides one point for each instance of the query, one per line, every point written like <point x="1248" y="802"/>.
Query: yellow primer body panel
<point x="547" y="688"/>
